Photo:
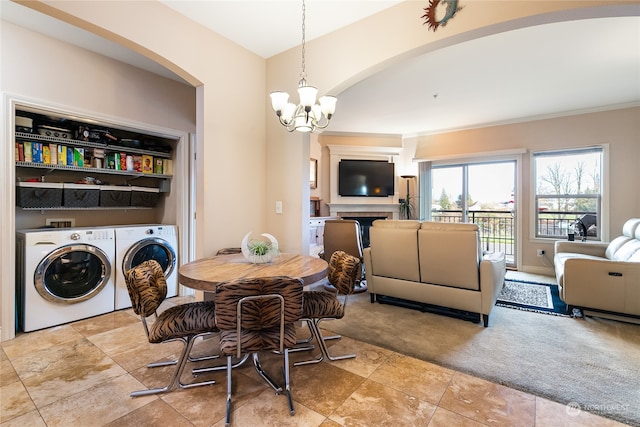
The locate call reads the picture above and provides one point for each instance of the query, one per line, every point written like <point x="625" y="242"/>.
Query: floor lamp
<point x="407" y="200"/>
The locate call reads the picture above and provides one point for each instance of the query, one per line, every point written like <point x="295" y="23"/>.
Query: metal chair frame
<point x="314" y="329"/>
<point x="240" y="354"/>
<point x="181" y="361"/>
<point x="313" y="324"/>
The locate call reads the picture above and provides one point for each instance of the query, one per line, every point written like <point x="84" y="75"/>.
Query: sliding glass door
<point x="479" y="193"/>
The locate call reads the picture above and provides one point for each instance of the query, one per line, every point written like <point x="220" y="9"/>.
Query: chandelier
<point x="308" y="115"/>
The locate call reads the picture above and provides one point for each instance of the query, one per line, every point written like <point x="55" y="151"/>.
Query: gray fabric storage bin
<point x="81" y="196"/>
<point x="39" y="194"/>
<point x="145" y="197"/>
<point x="115" y="196"/>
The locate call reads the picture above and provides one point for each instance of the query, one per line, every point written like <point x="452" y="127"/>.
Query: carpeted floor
<point x="592" y="362"/>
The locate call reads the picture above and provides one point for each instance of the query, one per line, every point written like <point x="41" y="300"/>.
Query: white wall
<point x="620" y="129"/>
<point x="229" y="110"/>
<point x="338" y="60"/>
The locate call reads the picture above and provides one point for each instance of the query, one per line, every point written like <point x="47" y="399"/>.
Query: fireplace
<point x="365" y="214"/>
<point x="365" y="223"/>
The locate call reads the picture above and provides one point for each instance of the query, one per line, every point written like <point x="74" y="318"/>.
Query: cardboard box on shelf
<point x="147" y="164"/>
<point x="157" y="168"/>
<point x="62" y="154"/>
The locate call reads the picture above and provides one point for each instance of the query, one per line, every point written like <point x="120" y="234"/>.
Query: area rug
<point x="532" y="296"/>
<point x="590" y="363"/>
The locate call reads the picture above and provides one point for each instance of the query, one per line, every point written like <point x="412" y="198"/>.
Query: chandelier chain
<point x="303" y="73"/>
<point x="310" y="114"/>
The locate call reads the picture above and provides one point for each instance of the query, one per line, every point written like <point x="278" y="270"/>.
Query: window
<point x="568" y="193"/>
<point x="481" y="193"/>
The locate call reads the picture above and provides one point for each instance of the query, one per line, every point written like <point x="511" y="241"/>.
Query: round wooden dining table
<point x="204" y="274"/>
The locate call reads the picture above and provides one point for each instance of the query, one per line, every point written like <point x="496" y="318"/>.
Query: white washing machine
<point x="63" y="275"/>
<point x="138" y="243"/>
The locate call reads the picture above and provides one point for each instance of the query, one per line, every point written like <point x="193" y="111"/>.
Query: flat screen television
<point x="366" y="178"/>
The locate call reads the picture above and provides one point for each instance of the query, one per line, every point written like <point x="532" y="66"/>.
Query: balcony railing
<point x="557" y="224"/>
<point x="497" y="227"/>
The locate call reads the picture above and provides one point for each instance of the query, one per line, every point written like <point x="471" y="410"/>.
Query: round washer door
<point x="72" y="273"/>
<point x="152" y="248"/>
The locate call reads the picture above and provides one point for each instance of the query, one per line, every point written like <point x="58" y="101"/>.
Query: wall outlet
<point x="278" y="207"/>
<point x="540" y="252"/>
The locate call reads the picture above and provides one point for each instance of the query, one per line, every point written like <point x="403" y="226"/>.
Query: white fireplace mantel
<point x="336" y="209"/>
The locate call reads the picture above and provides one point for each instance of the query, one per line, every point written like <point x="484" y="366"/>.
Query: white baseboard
<point x="535" y="269"/>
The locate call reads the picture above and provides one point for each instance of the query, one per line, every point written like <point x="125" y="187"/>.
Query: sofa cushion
<point x="449" y="254"/>
<point x="449" y="226"/>
<point x="631" y="227"/>
<point x="454" y="226"/>
<point x="390" y="241"/>
<point x="627" y="250"/>
<point x="396" y="224"/>
<point x="560" y="259"/>
<point x="615" y="245"/>
<point x="630" y="233"/>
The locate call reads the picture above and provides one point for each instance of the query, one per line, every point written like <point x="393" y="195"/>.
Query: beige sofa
<point x="601" y="276"/>
<point x="434" y="263"/>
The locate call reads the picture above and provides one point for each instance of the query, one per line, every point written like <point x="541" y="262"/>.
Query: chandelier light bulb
<point x="279" y="100"/>
<point x="328" y="105"/>
<point x="307" y="96"/>
<point x="288" y="112"/>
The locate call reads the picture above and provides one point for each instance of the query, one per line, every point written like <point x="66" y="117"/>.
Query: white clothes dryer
<point x="138" y="243"/>
<point x="63" y="275"/>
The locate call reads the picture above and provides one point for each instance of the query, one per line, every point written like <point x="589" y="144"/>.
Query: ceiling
<point x="534" y="72"/>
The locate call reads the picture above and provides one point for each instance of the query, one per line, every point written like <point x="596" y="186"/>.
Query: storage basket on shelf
<point x="38" y="194"/>
<point x="144" y="197"/>
<point x="115" y="196"/>
<point x="81" y="195"/>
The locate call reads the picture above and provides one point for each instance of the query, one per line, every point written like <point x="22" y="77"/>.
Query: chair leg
<point x="263" y="374"/>
<point x="311" y="337"/>
<point x="190" y="359"/>
<point x="227" y="420"/>
<point x="301" y="345"/>
<point x="312" y="326"/>
<point x="323" y="345"/>
<point x="160" y="364"/>
<point x="287" y="385"/>
<point x="198" y="371"/>
<point x="324" y="352"/>
<point x="175" y="379"/>
<point x="175" y="362"/>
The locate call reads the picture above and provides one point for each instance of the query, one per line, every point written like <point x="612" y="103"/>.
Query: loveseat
<point x="601" y="276"/>
<point x="440" y="265"/>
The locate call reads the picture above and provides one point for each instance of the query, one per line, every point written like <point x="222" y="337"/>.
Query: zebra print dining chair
<point x="147" y="288"/>
<point x="323" y="305"/>
<point x="256" y="315"/>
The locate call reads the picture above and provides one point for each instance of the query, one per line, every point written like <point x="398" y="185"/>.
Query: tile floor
<point x="81" y="374"/>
